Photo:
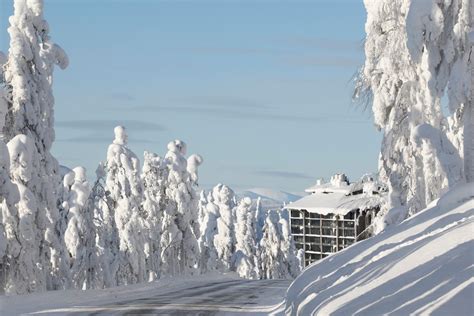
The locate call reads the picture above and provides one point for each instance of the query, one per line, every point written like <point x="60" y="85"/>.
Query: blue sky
<point x="261" y="89"/>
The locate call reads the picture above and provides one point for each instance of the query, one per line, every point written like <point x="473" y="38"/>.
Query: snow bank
<point x="423" y="265"/>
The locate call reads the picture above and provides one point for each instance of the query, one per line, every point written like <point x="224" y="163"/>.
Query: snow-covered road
<point x="195" y="296"/>
<point x="230" y="296"/>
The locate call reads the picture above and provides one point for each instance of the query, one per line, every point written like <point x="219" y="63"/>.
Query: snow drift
<point x="423" y="265"/>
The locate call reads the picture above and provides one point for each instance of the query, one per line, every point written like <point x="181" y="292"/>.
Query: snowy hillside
<point x="270" y="198"/>
<point x="422" y="266"/>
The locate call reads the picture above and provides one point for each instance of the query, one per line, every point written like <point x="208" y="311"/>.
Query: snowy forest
<point x="133" y="223"/>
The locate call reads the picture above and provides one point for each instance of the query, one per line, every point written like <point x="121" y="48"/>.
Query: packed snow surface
<point x="422" y="266"/>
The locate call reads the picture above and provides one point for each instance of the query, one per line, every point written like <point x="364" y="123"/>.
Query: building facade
<point x="333" y="216"/>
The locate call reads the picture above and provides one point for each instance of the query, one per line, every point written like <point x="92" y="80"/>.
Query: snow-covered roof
<point x="337" y="203"/>
<point x="321" y="203"/>
<point x="335" y="197"/>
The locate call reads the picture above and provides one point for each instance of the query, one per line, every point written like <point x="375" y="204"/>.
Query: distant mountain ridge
<point x="270" y="198"/>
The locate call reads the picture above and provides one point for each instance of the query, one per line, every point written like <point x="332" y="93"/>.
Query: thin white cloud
<point x="100" y="139"/>
<point x="109" y="125"/>
<point x="249" y="114"/>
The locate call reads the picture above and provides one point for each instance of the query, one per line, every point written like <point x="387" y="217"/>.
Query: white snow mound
<point x="422" y="266"/>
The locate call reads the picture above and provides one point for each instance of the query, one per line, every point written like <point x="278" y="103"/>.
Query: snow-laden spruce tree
<point x="287" y="245"/>
<point x="202" y="203"/>
<point x="125" y="187"/>
<point x="245" y="255"/>
<point x="209" y="213"/>
<point x="8" y="195"/>
<point x="193" y="163"/>
<point x="278" y="257"/>
<point x="104" y="260"/>
<point x="224" y="240"/>
<point x="25" y="273"/>
<point x="171" y="240"/>
<point x="28" y="79"/>
<point x="414" y="50"/>
<point x="80" y="232"/>
<point x="64" y="194"/>
<point x="180" y="251"/>
<point x="270" y="252"/>
<point x="154" y="175"/>
<point x="260" y="215"/>
<point x="8" y="191"/>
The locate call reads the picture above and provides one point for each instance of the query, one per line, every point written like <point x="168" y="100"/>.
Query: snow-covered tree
<point x="5" y="187"/>
<point x="287" y="245"/>
<point x="124" y="184"/>
<point x="278" y="257"/>
<point x="245" y="255"/>
<point x="63" y="202"/>
<point x="224" y="240"/>
<point x="28" y="73"/>
<point x="28" y="78"/>
<point x="154" y="182"/>
<point x="3" y="101"/>
<point x="24" y="275"/>
<point x="260" y="215"/>
<point x="180" y="251"/>
<point x="209" y="212"/>
<point x="414" y="51"/>
<point x="8" y="191"/>
<point x="193" y="163"/>
<point x="104" y="261"/>
<point x="80" y="232"/>
<point x="9" y="243"/>
<point x="202" y="203"/>
<point x="171" y="238"/>
<point x="65" y="194"/>
<point x="270" y="252"/>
